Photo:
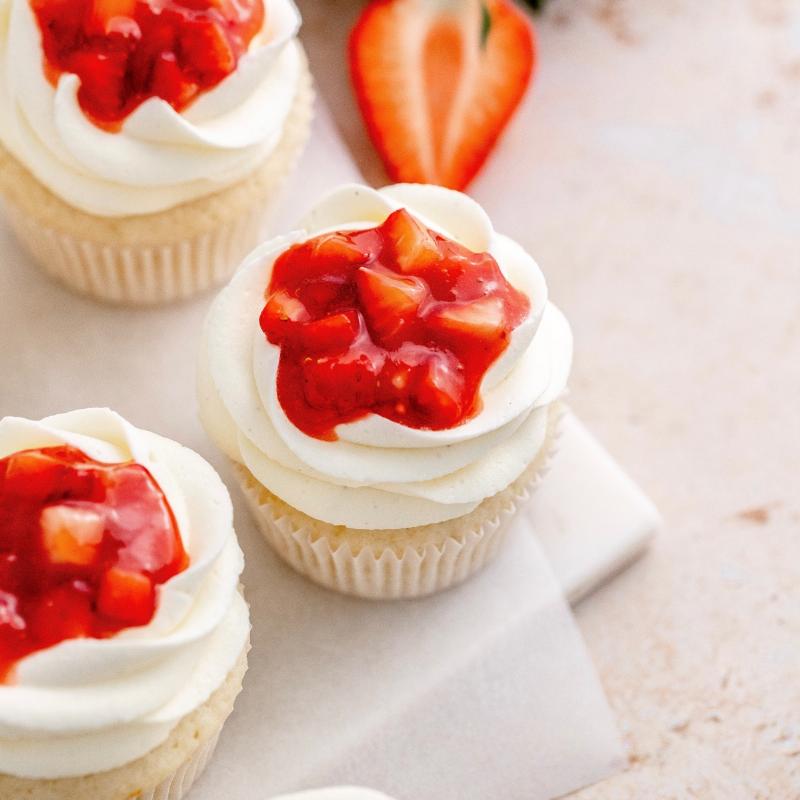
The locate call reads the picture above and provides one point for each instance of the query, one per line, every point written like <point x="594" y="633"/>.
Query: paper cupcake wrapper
<point x="141" y="274"/>
<point x="178" y="784"/>
<point x="419" y="569"/>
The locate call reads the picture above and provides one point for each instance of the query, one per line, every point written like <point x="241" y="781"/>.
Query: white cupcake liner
<point x="141" y="274"/>
<point x="420" y="568"/>
<point x="178" y="784"/>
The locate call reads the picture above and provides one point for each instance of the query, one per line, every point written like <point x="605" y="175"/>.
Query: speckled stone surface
<point x="661" y="194"/>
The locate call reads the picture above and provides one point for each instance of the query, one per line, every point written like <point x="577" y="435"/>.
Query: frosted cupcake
<point x="387" y="380"/>
<point x="123" y="636"/>
<point x="142" y="142"/>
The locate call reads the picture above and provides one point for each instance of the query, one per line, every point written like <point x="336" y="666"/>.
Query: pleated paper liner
<point x="402" y="563"/>
<point x="155" y="258"/>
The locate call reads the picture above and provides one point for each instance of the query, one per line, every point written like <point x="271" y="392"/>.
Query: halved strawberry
<point x="330" y="334"/>
<point x="71" y="534"/>
<point x="390" y="302"/>
<point x="411" y="244"/>
<point x="483" y="318"/>
<point x="438" y="82"/>
<point x="126" y="596"/>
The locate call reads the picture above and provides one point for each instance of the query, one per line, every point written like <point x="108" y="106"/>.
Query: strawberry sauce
<point x="83" y="546"/>
<point x="396" y="320"/>
<point x="126" y="51"/>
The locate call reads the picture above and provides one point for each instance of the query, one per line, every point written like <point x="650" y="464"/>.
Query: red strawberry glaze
<point x="126" y="51"/>
<point x="395" y="320"/>
<point x="83" y="546"/>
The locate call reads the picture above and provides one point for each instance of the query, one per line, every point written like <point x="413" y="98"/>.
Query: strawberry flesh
<point x="435" y="95"/>
<point x="82" y="546"/>
<point x="396" y="320"/>
<point x="127" y="51"/>
<point x="390" y="303"/>
<point x="126" y="596"/>
<point x="71" y="534"/>
<point x="412" y="246"/>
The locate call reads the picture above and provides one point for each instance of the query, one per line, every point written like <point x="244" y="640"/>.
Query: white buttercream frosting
<point x="88" y="705"/>
<point x="160" y="158"/>
<point x="379" y="473"/>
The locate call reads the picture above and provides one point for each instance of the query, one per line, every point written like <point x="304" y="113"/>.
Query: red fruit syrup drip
<point x="83" y="546"/>
<point x="126" y="51"/>
<point x="396" y="320"/>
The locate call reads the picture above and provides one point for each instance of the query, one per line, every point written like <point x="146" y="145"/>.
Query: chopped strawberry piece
<point x="390" y="302"/>
<point x="169" y="82"/>
<point x="281" y="312"/>
<point x="205" y="46"/>
<point x="127" y="597"/>
<point x="410" y="243"/>
<point x="338" y="247"/>
<point x="102" y="79"/>
<point x="104" y="15"/>
<point x="329" y="292"/>
<point x="328" y="261"/>
<point x="439" y="390"/>
<point x="436" y="85"/>
<point x="108" y="9"/>
<point x="330" y="334"/>
<point x="71" y="534"/>
<point x="29" y="473"/>
<point x="285" y="308"/>
<point x="482" y="318"/>
<point x="325" y="376"/>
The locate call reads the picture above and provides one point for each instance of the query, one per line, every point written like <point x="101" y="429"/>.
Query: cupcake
<point x="387" y="380"/>
<point x="141" y="142"/>
<point x="123" y="634"/>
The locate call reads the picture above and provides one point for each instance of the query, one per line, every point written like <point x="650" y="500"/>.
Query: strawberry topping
<point x="83" y="546"/>
<point x="396" y="320"/>
<point x="126" y="51"/>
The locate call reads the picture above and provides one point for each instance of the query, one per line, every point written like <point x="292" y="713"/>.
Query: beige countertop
<point x="661" y="194"/>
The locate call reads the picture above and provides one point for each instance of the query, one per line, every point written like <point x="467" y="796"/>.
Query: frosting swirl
<point x="87" y="705"/>
<point x="380" y="474"/>
<point x="160" y="158"/>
